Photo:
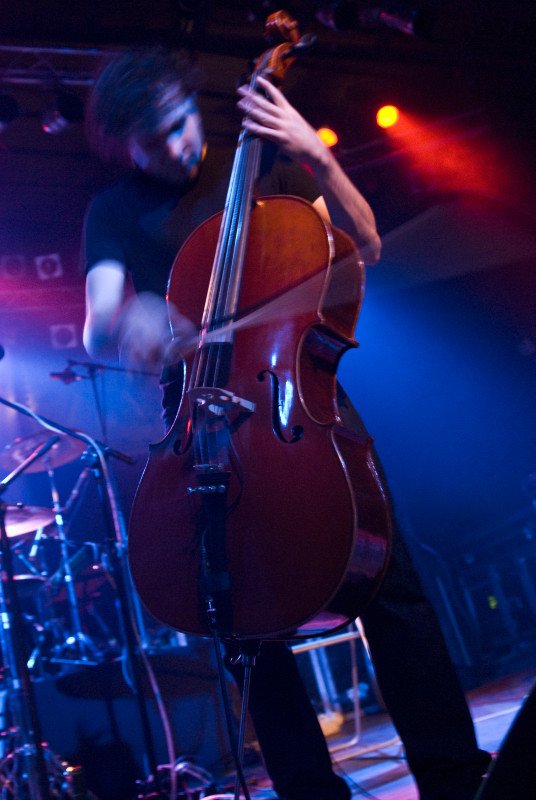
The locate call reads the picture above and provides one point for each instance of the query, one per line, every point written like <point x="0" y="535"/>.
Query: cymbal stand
<point x="121" y="577"/>
<point x="17" y="550"/>
<point x="21" y="697"/>
<point x="121" y="536"/>
<point x="82" y="642"/>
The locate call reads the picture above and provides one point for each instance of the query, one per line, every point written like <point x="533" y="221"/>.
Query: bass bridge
<point x="218" y="402"/>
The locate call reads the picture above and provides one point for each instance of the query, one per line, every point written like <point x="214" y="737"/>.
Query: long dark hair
<point x="130" y="95"/>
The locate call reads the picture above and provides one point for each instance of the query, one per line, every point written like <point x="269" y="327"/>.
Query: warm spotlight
<point x="328" y="136"/>
<point x="67" y="110"/>
<point x="387" y="116"/>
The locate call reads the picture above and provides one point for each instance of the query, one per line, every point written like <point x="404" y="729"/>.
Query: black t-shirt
<point x="142" y="222"/>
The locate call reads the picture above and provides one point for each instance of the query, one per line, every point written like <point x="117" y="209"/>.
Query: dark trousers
<point x="418" y="683"/>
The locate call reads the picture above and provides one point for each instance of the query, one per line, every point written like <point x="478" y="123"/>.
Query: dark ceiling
<point x="469" y="60"/>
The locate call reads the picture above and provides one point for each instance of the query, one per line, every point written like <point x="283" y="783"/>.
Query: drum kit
<point x="43" y="598"/>
<point x="54" y="578"/>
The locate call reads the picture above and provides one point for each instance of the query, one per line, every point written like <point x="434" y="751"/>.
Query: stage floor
<point x="374" y="765"/>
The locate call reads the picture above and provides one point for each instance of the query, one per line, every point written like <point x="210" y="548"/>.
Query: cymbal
<point x="63" y="451"/>
<point x="22" y="519"/>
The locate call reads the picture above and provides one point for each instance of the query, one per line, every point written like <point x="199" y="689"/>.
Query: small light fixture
<point x="67" y="110"/>
<point x="9" y="111"/>
<point x="48" y="266"/>
<point x="63" y="336"/>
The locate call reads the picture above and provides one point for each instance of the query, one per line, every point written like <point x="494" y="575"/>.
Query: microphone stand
<point x="93" y="369"/>
<point x="68" y="375"/>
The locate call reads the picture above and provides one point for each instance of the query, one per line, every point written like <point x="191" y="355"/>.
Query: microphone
<point x="67" y="376"/>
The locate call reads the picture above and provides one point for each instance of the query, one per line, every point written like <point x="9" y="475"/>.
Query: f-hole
<point x="296" y="430"/>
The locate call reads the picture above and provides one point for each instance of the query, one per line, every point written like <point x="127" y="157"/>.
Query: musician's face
<point x="175" y="151"/>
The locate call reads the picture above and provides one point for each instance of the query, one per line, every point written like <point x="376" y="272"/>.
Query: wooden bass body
<point x="285" y="528"/>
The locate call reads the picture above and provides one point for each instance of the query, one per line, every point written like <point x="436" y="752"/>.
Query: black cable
<point x="229" y="718"/>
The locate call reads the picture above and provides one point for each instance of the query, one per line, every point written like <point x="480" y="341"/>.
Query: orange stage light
<point x="387" y="116"/>
<point x="328" y="136"/>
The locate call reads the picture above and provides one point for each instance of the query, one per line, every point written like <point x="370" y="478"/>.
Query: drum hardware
<point x="183" y="780"/>
<point x="64" y="781"/>
<point x="54" y="646"/>
<point x="75" y="648"/>
<point x="27" y="757"/>
<point x="128" y="604"/>
<point x="29" y="561"/>
<point x="63" y="451"/>
<point x="87" y="555"/>
<point x="44" y="644"/>
<point x="33" y="585"/>
<point x="79" y="644"/>
<point x="20" y="519"/>
<point x="89" y="574"/>
<point x="128" y="608"/>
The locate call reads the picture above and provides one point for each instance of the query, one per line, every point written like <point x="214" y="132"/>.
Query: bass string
<point x="223" y="291"/>
<point x="231" y="246"/>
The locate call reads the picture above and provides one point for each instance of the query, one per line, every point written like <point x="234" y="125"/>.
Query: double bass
<point x="259" y="515"/>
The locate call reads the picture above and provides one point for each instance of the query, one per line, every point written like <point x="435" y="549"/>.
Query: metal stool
<point x="316" y="648"/>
